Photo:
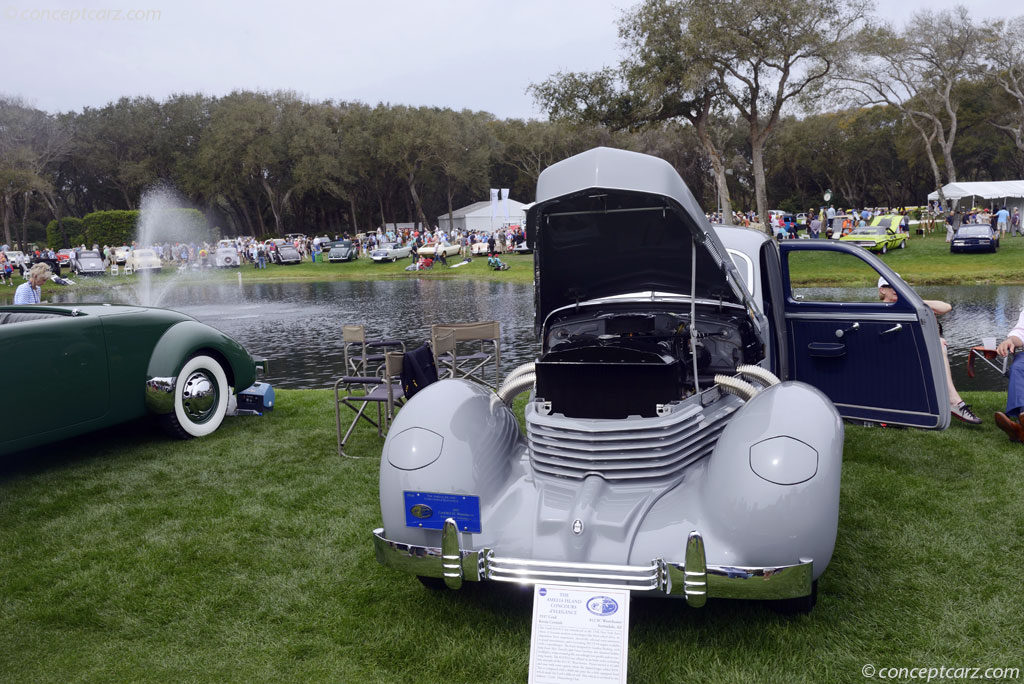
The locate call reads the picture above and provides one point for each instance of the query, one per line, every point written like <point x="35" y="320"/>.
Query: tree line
<point x="755" y="102"/>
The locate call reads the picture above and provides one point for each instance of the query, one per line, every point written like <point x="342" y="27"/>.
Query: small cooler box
<point x="256" y="399"/>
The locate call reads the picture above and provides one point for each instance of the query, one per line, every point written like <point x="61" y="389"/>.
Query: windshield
<point x="89" y="255"/>
<point x="974" y="231"/>
<point x="144" y="253"/>
<point x="869" y="230"/>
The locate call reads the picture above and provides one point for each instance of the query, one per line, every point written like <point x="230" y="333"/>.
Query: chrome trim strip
<point x="887" y="410"/>
<point x="844" y="316"/>
<point x="160" y="395"/>
<point x="692" y="579"/>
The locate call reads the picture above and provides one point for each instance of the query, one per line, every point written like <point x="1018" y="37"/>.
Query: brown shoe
<point x="1013" y="429"/>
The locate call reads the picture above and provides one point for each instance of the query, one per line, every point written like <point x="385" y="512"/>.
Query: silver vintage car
<point x="684" y="424"/>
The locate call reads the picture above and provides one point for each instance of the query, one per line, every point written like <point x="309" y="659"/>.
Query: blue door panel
<point x="865" y="370"/>
<point x="895" y="377"/>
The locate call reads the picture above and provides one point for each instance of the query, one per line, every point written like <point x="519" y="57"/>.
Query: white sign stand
<point x="580" y="634"/>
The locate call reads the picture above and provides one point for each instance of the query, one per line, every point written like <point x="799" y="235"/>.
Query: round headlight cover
<point x="414" y="448"/>
<point x="783" y="460"/>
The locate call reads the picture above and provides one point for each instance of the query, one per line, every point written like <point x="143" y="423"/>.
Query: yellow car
<point x="881" y="236"/>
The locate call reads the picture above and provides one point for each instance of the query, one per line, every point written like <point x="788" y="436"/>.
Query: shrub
<point x="73" y="229"/>
<point x="110" y="227"/>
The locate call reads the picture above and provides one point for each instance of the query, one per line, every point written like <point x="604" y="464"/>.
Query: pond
<point x="298" y="325"/>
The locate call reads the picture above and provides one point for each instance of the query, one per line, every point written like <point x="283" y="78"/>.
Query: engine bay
<point x="601" y="363"/>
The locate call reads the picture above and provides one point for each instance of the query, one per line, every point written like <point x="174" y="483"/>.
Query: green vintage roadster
<point x="120" y="363"/>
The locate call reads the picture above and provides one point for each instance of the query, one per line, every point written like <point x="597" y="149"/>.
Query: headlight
<point x="959" y="243"/>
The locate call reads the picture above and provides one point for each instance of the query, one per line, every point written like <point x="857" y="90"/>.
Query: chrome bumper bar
<point x="692" y="578"/>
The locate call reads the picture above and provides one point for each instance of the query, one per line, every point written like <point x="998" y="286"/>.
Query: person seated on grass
<point x="497" y="264"/>
<point x="1009" y="422"/>
<point x="957" y="406"/>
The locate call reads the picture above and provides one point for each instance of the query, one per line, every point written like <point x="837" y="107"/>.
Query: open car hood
<point x="611" y="222"/>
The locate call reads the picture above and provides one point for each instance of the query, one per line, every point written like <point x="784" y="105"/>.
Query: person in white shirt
<point x="1009" y="422"/>
<point x="30" y="292"/>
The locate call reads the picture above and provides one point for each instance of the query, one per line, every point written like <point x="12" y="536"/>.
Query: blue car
<point x="975" y="237"/>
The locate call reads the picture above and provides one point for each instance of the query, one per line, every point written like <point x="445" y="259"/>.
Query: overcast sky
<point x="473" y="54"/>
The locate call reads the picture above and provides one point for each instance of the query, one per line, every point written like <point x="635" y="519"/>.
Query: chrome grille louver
<point x="630" y="449"/>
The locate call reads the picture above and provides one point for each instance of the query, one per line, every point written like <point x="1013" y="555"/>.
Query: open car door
<point x="876" y="361"/>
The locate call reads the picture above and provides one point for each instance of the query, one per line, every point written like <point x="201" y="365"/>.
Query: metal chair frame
<point x="471" y="365"/>
<point x="384" y="391"/>
<point x="358" y="359"/>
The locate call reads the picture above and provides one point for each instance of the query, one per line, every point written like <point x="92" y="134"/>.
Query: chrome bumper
<point x="692" y="578"/>
<point x="160" y="395"/>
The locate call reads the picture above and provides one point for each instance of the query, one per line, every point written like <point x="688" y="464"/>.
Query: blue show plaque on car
<point x="429" y="510"/>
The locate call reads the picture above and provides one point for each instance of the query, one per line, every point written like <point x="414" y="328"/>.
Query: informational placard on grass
<point x="580" y="634"/>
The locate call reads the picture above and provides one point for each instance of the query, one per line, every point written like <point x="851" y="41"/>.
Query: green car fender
<point x="181" y="342"/>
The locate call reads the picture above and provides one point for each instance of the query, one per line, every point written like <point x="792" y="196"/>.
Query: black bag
<point x="418" y="370"/>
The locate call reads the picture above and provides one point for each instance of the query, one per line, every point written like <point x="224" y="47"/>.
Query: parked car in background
<point x="64" y="257"/>
<point x="877" y="238"/>
<point x="788" y="221"/>
<point x="843" y="224"/>
<point x="433" y="249"/>
<point x="479" y="248"/>
<point x="17" y="258"/>
<point x="974" y="237"/>
<point x="683" y="427"/>
<point x="143" y="260"/>
<point x="88" y="262"/>
<point x="802" y="219"/>
<point x="124" y="362"/>
<point x="390" y="251"/>
<point x="121" y="254"/>
<point x="286" y="255"/>
<point x="342" y="250"/>
<point x="227" y="257"/>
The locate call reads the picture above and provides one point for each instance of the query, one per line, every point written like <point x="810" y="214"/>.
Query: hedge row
<point x="74" y="231"/>
<point x="122" y="228"/>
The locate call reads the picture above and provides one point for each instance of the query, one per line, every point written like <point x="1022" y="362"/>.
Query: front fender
<point x="187" y="338"/>
<point x="453" y="437"/>
<point x="772" y="486"/>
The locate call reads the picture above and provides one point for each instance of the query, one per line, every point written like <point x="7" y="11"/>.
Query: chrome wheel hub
<point x="199" y="396"/>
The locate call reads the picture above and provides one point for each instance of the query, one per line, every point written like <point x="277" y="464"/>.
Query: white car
<point x="17" y="259"/>
<point x="479" y="249"/>
<point x="390" y="251"/>
<point x="143" y="260"/>
<point x="227" y="257"/>
<point x="431" y="250"/>
<point x="121" y="254"/>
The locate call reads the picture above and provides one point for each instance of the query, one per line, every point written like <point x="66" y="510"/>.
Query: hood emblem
<point x="577" y="526"/>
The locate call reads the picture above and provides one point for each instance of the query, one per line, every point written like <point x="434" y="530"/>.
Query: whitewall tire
<point x="201" y="395"/>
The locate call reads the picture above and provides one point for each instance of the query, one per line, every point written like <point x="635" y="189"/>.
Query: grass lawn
<point x="247" y="557"/>
<point x="926" y="261"/>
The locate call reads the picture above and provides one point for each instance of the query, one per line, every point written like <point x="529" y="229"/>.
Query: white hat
<point x="882" y="282"/>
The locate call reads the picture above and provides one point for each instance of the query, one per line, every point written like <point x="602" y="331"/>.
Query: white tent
<point x="476" y="218"/>
<point x="990" y="190"/>
<point x="994" y="194"/>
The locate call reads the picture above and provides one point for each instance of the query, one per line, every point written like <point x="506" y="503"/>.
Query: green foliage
<point x="110" y="227"/>
<point x="120" y="227"/>
<point x="74" y="230"/>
